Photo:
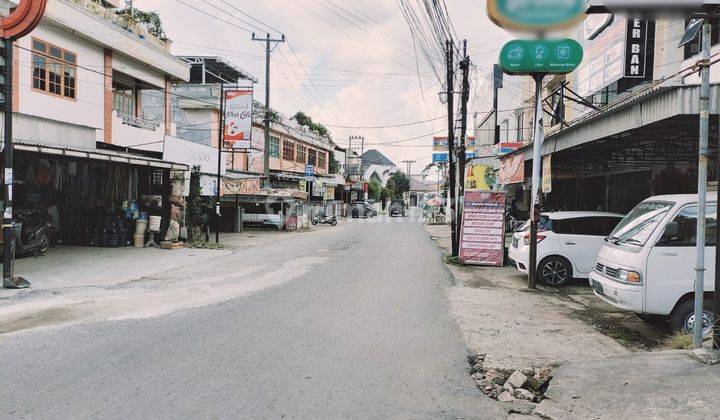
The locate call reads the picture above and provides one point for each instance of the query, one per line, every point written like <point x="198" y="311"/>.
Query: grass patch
<point x="679" y="341"/>
<point x="205" y="245"/>
<point x="449" y="259"/>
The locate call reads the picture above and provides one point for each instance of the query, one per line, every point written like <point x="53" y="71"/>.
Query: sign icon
<point x="539" y="52"/>
<point x="563" y="52"/>
<point x="516" y="53"/>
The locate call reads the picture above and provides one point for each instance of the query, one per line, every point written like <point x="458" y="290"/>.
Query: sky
<point x="345" y="63"/>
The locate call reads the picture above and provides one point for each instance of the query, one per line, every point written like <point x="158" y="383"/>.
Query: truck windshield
<point x="640" y="223"/>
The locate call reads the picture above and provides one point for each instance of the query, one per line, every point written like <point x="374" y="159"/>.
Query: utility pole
<point x="409" y="165"/>
<point x="462" y="156"/>
<point x="538" y="139"/>
<point x="703" y="153"/>
<point x="268" y="44"/>
<point x="497" y="84"/>
<point x="221" y="132"/>
<point x="451" y="145"/>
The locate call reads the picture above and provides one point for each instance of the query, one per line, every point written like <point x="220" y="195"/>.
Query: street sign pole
<point x="538" y="139"/>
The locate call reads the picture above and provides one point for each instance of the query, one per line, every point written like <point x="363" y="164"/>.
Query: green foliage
<point x="150" y="20"/>
<point x="333" y="164"/>
<point x="198" y="208"/>
<point x="305" y="121"/>
<point x="398" y="184"/>
<point x="374" y="189"/>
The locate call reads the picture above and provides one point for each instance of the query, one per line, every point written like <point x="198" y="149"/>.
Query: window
<point x="312" y="157"/>
<point x="123" y="98"/>
<point x="274" y="147"/>
<point x="520" y="133"/>
<point x="53" y="70"/>
<point x="321" y="159"/>
<point x="609" y="224"/>
<point x="300" y="157"/>
<point x="588" y="226"/>
<point x="288" y="150"/>
<point x="686" y="220"/>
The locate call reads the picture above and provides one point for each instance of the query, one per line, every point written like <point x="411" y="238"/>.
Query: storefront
<point x="94" y="197"/>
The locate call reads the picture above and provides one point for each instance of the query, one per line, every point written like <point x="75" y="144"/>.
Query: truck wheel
<point x="554" y="271"/>
<point x="682" y="318"/>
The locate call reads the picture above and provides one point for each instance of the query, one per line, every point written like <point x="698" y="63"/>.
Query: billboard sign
<point x="522" y="57"/>
<point x="440" y="157"/>
<point x="237" y="132"/>
<point x="534" y="15"/>
<point x="482" y="233"/>
<point x="479" y="178"/>
<point x="512" y="169"/>
<point x="636" y="49"/>
<point x="596" y="24"/>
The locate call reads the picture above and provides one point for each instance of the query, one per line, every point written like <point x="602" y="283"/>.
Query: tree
<point x="198" y="207"/>
<point x="333" y="164"/>
<point x="398" y="184"/>
<point x="375" y="189"/>
<point x="305" y="121"/>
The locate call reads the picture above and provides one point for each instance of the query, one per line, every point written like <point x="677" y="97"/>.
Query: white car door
<point x="583" y="245"/>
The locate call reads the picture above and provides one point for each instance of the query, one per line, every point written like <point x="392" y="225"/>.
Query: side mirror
<point x="672" y="230"/>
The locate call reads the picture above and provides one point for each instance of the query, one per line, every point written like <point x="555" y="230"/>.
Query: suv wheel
<point x="554" y="271"/>
<point x="682" y="318"/>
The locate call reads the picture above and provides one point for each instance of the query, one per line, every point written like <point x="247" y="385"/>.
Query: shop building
<point x="623" y="127"/>
<point x="85" y="151"/>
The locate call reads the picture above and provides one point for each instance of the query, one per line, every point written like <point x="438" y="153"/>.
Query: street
<point x="363" y="331"/>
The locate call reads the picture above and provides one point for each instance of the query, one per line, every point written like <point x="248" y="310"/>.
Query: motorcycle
<point x="31" y="233"/>
<point x="323" y="218"/>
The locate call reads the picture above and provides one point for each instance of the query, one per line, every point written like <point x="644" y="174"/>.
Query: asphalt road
<point x="363" y="332"/>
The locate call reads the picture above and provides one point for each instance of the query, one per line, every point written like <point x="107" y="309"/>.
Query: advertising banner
<point x="482" y="234"/>
<point x="512" y="169"/>
<point x="479" y="178"/>
<point x="547" y="174"/>
<point x="238" y="119"/>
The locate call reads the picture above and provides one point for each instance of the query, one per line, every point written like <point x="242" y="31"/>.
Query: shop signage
<point x="596" y="24"/>
<point x="534" y="15"/>
<point x="309" y="173"/>
<point x="237" y="132"/>
<point x="547" y="174"/>
<point x="482" y="233"/>
<point x="522" y="57"/>
<point x="479" y="178"/>
<point x="291" y="223"/>
<point x="440" y="157"/>
<point x="636" y="49"/>
<point x="512" y="169"/>
<point x="22" y="19"/>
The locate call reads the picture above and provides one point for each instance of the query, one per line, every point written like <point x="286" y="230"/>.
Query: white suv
<point x="568" y="244"/>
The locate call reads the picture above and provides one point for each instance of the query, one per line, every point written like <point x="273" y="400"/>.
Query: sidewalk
<point x="78" y="284"/>
<point x="601" y="366"/>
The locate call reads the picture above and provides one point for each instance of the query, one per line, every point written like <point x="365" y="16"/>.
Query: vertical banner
<point x="237" y="132"/>
<point x="547" y="174"/>
<point x="482" y="234"/>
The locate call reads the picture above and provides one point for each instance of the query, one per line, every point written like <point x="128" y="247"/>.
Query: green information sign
<point x="521" y="57"/>
<point x="536" y="15"/>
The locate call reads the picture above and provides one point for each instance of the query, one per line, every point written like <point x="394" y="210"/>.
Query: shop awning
<point x="95" y="154"/>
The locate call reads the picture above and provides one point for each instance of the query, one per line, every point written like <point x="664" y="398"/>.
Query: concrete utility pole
<point x="497" y="84"/>
<point x="703" y="153"/>
<point x="409" y="165"/>
<point x="268" y="49"/>
<point x="462" y="156"/>
<point x="451" y="146"/>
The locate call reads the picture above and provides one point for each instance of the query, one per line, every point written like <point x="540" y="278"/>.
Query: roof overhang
<point x="97" y="155"/>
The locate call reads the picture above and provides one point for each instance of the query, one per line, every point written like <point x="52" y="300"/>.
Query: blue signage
<point x="309" y="170"/>
<point x="440" y="157"/>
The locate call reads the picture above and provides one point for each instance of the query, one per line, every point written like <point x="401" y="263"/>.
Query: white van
<point x="647" y="264"/>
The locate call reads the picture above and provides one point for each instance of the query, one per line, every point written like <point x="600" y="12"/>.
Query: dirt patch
<point x="612" y="327"/>
<point x="42" y="318"/>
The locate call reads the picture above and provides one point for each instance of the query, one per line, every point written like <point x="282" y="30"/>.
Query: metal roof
<point x="219" y="67"/>
<point x="96" y="154"/>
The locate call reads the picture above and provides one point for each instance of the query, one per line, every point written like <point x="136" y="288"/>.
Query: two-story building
<point x="84" y="149"/>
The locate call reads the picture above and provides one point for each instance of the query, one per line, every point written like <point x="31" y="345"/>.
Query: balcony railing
<point x="138" y="122"/>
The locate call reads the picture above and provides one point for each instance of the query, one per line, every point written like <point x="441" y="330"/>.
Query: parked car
<point x="647" y="264"/>
<point x="397" y="208"/>
<point x="568" y="244"/>
<point x="361" y="209"/>
<point x="371" y="210"/>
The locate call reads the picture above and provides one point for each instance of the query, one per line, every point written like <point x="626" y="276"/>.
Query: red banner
<point x="482" y="235"/>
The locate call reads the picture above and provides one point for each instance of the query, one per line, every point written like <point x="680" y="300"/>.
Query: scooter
<point x="324" y="219"/>
<point x="31" y="233"/>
